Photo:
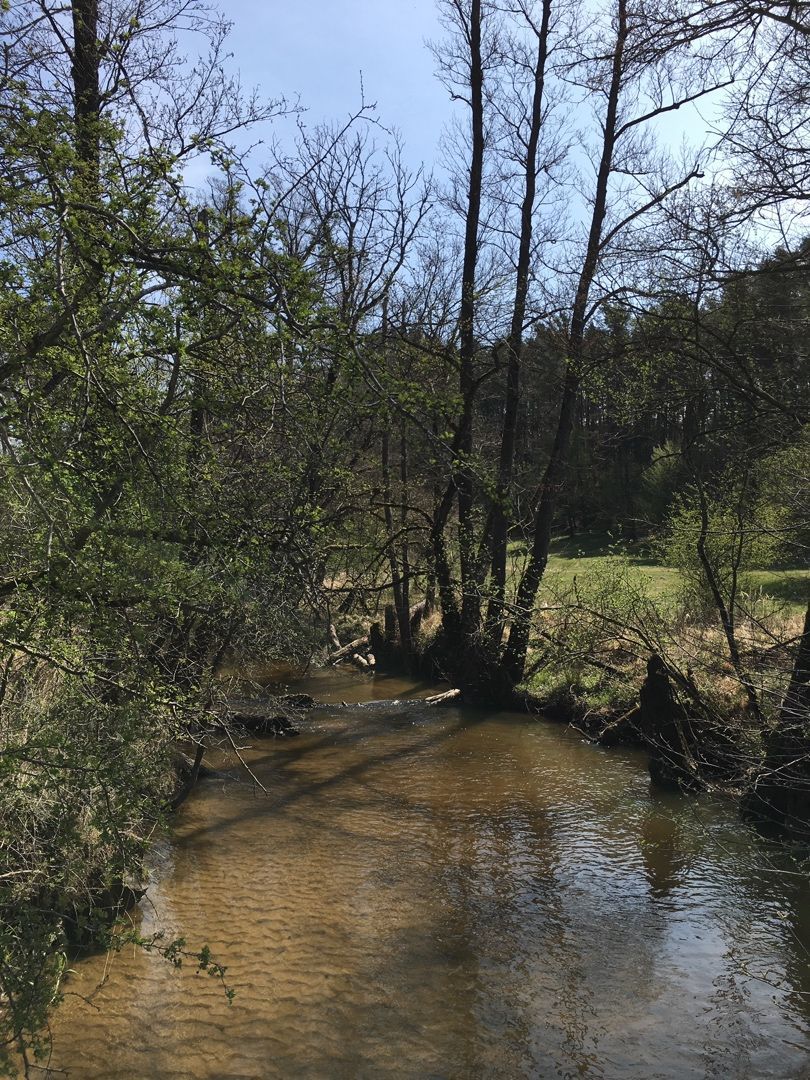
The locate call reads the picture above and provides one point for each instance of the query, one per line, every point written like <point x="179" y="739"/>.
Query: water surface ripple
<point x="453" y="894"/>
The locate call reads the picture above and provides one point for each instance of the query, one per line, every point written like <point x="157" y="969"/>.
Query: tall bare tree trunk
<point x="464" y="479"/>
<point x="405" y="611"/>
<point x="460" y="623"/>
<point x="515" y="654"/>
<point x="499" y="527"/>
<point x="399" y="583"/>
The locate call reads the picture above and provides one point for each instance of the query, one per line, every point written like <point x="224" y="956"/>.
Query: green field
<point x="579" y="556"/>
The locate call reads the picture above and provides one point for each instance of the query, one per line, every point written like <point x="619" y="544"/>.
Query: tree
<point x="638" y="82"/>
<point x="152" y="510"/>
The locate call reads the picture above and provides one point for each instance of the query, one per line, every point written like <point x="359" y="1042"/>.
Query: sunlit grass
<point x="577" y="557"/>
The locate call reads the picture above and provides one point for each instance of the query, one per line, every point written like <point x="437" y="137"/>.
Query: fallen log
<point x="188" y="773"/>
<point x="442" y="699"/>
<point x="346" y="650"/>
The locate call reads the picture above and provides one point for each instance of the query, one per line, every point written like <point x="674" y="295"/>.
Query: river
<point x="451" y="893"/>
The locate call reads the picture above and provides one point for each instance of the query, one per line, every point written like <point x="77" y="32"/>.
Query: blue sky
<point x="317" y="49"/>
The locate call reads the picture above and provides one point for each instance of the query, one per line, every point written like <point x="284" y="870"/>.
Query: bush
<point x="718" y="540"/>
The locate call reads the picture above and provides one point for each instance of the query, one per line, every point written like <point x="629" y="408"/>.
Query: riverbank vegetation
<point x="547" y="405"/>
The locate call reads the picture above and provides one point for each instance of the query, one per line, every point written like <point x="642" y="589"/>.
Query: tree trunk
<point x="463" y="478"/>
<point x="86" y="90"/>
<point x="499" y="528"/>
<point x="517" y="646"/>
<point x="782" y="795"/>
<point x="460" y="624"/>
<point x="398" y="584"/>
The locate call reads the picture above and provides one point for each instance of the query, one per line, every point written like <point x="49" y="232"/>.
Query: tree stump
<point x="661" y="724"/>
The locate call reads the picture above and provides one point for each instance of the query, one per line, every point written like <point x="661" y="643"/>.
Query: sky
<point x="323" y="50"/>
<point x="332" y="55"/>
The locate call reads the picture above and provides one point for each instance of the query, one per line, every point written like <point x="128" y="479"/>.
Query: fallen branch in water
<point x="341" y="653"/>
<point x="443" y="699"/>
<point x="192" y="774"/>
<point x="242" y="762"/>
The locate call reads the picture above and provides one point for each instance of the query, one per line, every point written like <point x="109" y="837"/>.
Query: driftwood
<point x="188" y="773"/>
<point x="345" y="651"/>
<point x="442" y="699"/>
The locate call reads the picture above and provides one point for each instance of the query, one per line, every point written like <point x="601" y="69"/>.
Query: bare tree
<point x="636" y="82"/>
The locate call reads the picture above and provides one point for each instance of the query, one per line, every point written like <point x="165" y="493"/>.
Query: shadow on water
<point x="460" y="894"/>
<point x="661" y="843"/>
<point x="278" y="765"/>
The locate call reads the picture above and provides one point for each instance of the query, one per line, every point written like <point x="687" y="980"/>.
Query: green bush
<point x="718" y="540"/>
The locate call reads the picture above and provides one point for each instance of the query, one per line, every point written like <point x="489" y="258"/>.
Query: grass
<point x="791" y="586"/>
<point x="580" y="667"/>
<point x="578" y="556"/>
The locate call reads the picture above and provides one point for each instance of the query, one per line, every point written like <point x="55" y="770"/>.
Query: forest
<point x="530" y="421"/>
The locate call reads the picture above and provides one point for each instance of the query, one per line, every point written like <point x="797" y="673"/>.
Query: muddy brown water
<point x="451" y="893"/>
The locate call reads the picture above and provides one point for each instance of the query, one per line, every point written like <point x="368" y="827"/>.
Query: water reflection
<point x="663" y="851"/>
<point x="456" y="894"/>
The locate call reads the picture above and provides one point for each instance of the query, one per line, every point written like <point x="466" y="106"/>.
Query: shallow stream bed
<point x="450" y="893"/>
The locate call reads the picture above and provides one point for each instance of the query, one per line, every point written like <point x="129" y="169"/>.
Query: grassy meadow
<point x="582" y="556"/>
